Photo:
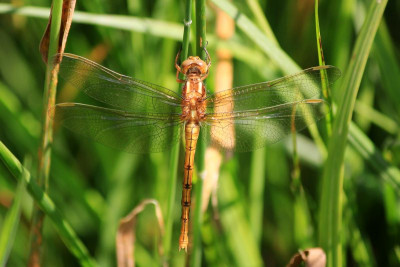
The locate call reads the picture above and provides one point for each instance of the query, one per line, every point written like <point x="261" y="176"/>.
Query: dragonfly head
<point x="194" y="65"/>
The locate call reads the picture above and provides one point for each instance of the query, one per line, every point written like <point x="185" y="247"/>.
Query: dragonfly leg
<point x="208" y="59"/>
<point x="178" y="79"/>
<point x="176" y="61"/>
<point x="178" y="68"/>
<point x="204" y="76"/>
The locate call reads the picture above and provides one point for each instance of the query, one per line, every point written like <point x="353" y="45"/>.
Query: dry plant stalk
<point x="225" y="28"/>
<point x="312" y="257"/>
<point x="44" y="152"/>
<point x="126" y="236"/>
<point x="66" y="20"/>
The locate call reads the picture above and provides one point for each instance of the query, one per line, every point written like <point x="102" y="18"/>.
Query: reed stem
<point x="44" y="153"/>
<point x="174" y="156"/>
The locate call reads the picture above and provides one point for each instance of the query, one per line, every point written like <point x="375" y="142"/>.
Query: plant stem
<point x="256" y="198"/>
<point x="44" y="153"/>
<point x="201" y="43"/>
<point x="325" y="85"/>
<point x="330" y="220"/>
<point x="174" y="156"/>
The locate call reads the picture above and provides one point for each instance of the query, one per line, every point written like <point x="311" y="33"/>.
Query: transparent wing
<point x="117" y="90"/>
<point x="250" y="130"/>
<point x="121" y="130"/>
<point x="249" y="117"/>
<point x="303" y="85"/>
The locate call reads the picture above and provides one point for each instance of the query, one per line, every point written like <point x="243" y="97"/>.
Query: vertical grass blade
<point x="256" y="198"/>
<point x="173" y="174"/>
<point x="325" y="84"/>
<point x="201" y="43"/>
<point x="175" y="149"/>
<point x="330" y="228"/>
<point x="47" y="132"/>
<point x="11" y="222"/>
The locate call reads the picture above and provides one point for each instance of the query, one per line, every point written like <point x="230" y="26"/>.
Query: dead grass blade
<point x="126" y="233"/>
<point x="66" y="19"/>
<point x="312" y="257"/>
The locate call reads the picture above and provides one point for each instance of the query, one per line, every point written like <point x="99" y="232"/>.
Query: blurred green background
<point x="95" y="186"/>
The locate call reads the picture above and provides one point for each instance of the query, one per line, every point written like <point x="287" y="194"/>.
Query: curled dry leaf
<point x="312" y="257"/>
<point x="126" y="233"/>
<point x="66" y="19"/>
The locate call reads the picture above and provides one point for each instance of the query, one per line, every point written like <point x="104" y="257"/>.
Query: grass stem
<point x="330" y="220"/>
<point x="44" y="153"/>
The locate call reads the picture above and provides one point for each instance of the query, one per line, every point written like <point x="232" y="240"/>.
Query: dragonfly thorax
<point x="193" y="104"/>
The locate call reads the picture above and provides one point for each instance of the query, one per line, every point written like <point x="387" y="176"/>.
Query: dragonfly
<point x="142" y="117"/>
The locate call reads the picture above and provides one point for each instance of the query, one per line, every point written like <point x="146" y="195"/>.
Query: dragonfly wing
<point x="116" y="89"/>
<point x="293" y="88"/>
<point x="249" y="117"/>
<point x="121" y="130"/>
<point x="250" y="130"/>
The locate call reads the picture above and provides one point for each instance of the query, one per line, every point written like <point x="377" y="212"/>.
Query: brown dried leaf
<point x="66" y="19"/>
<point x="312" y="257"/>
<point x="126" y="233"/>
<point x="213" y="160"/>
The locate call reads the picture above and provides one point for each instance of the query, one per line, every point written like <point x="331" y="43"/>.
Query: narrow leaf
<point x="11" y="222"/>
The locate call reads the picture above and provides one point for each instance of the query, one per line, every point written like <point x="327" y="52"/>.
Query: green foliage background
<point x="94" y="186"/>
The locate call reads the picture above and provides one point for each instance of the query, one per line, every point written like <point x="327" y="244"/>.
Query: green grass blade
<point x="376" y="117"/>
<point x="262" y="21"/>
<point x="331" y="205"/>
<point x="46" y="138"/>
<point x="285" y="63"/>
<point x="11" y="222"/>
<point x="67" y="234"/>
<point x="359" y="141"/>
<point x="131" y="23"/>
<point x="384" y="51"/>
<point x="325" y="86"/>
<point x="174" y="156"/>
<point x="201" y="43"/>
<point x="256" y="198"/>
<point x="173" y="174"/>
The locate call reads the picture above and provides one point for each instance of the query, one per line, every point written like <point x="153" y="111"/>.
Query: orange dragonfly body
<point x="147" y="117"/>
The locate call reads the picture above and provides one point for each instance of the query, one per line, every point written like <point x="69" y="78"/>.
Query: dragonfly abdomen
<point x="192" y="130"/>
